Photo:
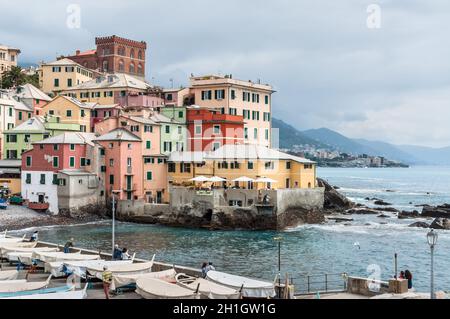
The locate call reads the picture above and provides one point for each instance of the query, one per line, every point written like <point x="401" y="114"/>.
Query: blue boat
<point x="3" y="203"/>
<point x="35" y="292"/>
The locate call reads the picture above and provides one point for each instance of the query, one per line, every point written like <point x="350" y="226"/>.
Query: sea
<point x="310" y="254"/>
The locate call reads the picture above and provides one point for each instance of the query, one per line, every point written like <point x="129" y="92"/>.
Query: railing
<point x="311" y="284"/>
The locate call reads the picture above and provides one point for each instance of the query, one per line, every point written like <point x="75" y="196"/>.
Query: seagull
<point x="357" y="245"/>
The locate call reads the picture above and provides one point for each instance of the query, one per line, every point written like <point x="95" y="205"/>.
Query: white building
<point x="41" y="187"/>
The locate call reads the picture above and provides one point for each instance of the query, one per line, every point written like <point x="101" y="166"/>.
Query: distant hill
<point x="329" y="139"/>
<point x="290" y="136"/>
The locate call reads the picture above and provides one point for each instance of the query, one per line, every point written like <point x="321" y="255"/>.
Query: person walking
<point x="408" y="276"/>
<point x="68" y="245"/>
<point x="107" y="279"/>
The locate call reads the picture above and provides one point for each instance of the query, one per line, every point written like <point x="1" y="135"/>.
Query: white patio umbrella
<point x="265" y="180"/>
<point x="243" y="179"/>
<point x="216" y="179"/>
<point x="199" y="179"/>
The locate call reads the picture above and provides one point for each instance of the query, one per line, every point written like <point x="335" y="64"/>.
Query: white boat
<point x="5" y="250"/>
<point x="250" y="288"/>
<point x="207" y="289"/>
<point x="121" y="269"/>
<point x="6" y="240"/>
<point x="128" y="280"/>
<point x="48" y="257"/>
<point x="19" y="245"/>
<point x="64" y="292"/>
<point x="79" y="268"/>
<point x="152" y="288"/>
<point x="17" y="256"/>
<point x="9" y="286"/>
<point x="8" y="274"/>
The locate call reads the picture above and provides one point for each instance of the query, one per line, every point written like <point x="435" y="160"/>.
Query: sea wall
<point x="229" y="209"/>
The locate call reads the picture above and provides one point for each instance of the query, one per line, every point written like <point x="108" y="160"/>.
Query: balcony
<point x="130" y="188"/>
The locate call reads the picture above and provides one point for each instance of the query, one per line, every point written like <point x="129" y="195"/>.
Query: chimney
<point x="78" y="52"/>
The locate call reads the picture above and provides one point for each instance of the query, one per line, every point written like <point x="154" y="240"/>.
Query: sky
<point x="379" y="73"/>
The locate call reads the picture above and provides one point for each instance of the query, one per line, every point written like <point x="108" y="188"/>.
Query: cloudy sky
<point x="329" y="68"/>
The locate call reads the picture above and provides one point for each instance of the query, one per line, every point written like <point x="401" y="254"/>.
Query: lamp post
<point x="113" y="225"/>
<point x="278" y="239"/>
<point x="432" y="238"/>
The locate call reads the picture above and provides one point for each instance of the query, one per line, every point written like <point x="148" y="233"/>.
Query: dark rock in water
<point x="333" y="199"/>
<point x="362" y="211"/>
<point x="387" y="209"/>
<point x="382" y="203"/>
<point x="367" y="224"/>
<point x="390" y="191"/>
<point x="383" y="216"/>
<point x="405" y="214"/>
<point x="367" y="198"/>
<point x="422" y="205"/>
<point x="336" y="187"/>
<point x="383" y="223"/>
<point x="440" y="223"/>
<point x="347" y="224"/>
<point x="420" y="225"/>
<point x="340" y="219"/>
<point x="442" y="211"/>
<point x="360" y="205"/>
<point x="410" y="203"/>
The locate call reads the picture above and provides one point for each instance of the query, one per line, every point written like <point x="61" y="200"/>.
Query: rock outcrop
<point x="442" y="211"/>
<point x="362" y="211"/>
<point x="333" y="199"/>
<point x="420" y="225"/>
<point x="382" y="203"/>
<point x="440" y="223"/>
<point x="405" y="214"/>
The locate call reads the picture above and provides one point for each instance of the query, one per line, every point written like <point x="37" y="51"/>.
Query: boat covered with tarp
<point x="79" y="267"/>
<point x="207" y="289"/>
<point x="8" y="274"/>
<point x="7" y="250"/>
<point x="250" y="288"/>
<point x="12" y="286"/>
<point x="123" y="269"/>
<point x="48" y="257"/>
<point x="64" y="292"/>
<point x="153" y="288"/>
<point x="121" y="280"/>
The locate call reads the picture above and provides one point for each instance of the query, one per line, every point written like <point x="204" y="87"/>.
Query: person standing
<point x="107" y="279"/>
<point x="408" y="276"/>
<point x="204" y="271"/>
<point x="125" y="254"/>
<point x="117" y="253"/>
<point x="402" y="275"/>
<point x="68" y="245"/>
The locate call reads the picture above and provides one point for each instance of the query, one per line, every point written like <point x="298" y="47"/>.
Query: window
<point x="132" y="68"/>
<point x="149" y="176"/>
<point x="266" y="133"/>
<point x="55" y="147"/>
<point x="42" y="180"/>
<point x="102" y="152"/>
<point x="70" y="69"/>
<point x="130" y="146"/>
<point x="27" y="138"/>
<point x="232" y="111"/>
<point x="185" y="167"/>
<point x="149" y="160"/>
<point x="11" y="138"/>
<point x="69" y="82"/>
<point x="20" y="116"/>
<point x="72" y="161"/>
<point x="28" y="178"/>
<point x="216" y="145"/>
<point x="288" y="165"/>
<point x="249" y="165"/>
<point x="167" y="147"/>
<point x="179" y="129"/>
<point x="219" y="94"/>
<point x="269" y="165"/>
<point x="246" y="133"/>
<point x="169" y="97"/>
<point x="255" y="133"/>
<point x="69" y="113"/>
<point x="10" y="111"/>
<point x="82" y="128"/>
<point x="198" y="129"/>
<point x="56" y="82"/>
<point x="111" y="162"/>
<point x="51" y="112"/>
<point x="82" y="113"/>
<point x="62" y="182"/>
<point x="82" y="161"/>
<point x="56" y="69"/>
<point x="129" y="161"/>
<point x="134" y="128"/>
<point x="148" y="144"/>
<point x="28" y="161"/>
<point x="111" y="179"/>
<point x="72" y="147"/>
<point x="180" y="114"/>
<point x="266" y="99"/>
<point x="55" y="179"/>
<point x="167" y="129"/>
<point x="308" y="166"/>
<point x="233" y="94"/>
<point x="171" y="167"/>
<point x="216" y="129"/>
<point x="55" y="161"/>
<point x="111" y="145"/>
<point x="288" y="183"/>
<point x="207" y="95"/>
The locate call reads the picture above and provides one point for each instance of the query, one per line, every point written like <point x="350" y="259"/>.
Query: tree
<point x="13" y="77"/>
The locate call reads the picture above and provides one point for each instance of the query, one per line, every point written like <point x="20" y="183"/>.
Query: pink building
<point x="100" y="112"/>
<point x="123" y="164"/>
<point x="139" y="100"/>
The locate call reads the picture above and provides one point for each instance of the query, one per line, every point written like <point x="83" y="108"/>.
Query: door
<point x="158" y="197"/>
<point x="40" y="198"/>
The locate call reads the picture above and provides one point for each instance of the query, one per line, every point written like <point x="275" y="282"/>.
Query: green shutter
<point x="149" y="176"/>
<point x="55" y="162"/>
<point x="72" y="161"/>
<point x="149" y="145"/>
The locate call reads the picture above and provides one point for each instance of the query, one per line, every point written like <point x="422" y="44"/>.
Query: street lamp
<point x="278" y="239"/>
<point x="432" y="238"/>
<point x="113" y="223"/>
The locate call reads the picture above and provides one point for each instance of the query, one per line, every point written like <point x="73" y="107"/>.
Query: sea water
<point x="366" y="247"/>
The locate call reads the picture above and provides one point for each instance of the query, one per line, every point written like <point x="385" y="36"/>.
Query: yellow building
<point x="70" y="111"/>
<point x="275" y="170"/>
<point x="108" y="89"/>
<point x="10" y="175"/>
<point x="8" y="58"/>
<point x="63" y="74"/>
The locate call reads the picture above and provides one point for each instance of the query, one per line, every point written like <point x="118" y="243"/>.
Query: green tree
<point x="13" y="77"/>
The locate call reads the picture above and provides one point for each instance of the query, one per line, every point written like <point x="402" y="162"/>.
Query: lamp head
<point x="432" y="238"/>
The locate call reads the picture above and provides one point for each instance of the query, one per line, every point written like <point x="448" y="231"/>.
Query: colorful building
<point x="235" y="97"/>
<point x="10" y="176"/>
<point x="100" y="112"/>
<point x="178" y="97"/>
<point x="20" y="139"/>
<point x="70" y="111"/>
<point x="253" y="161"/>
<point x="173" y="134"/>
<point x="123" y="164"/>
<point x="108" y="89"/>
<point x="42" y="164"/>
<point x="32" y="97"/>
<point x="62" y="75"/>
<point x="208" y="130"/>
<point x="8" y="58"/>
<point x="114" y="55"/>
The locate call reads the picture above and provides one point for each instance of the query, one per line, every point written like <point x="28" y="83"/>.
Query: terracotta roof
<point x="69" y="138"/>
<point x="118" y="134"/>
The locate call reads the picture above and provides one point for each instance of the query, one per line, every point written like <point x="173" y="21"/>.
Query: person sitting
<point x="117" y="255"/>
<point x="125" y="255"/>
<point x="34" y="236"/>
<point x="209" y="267"/>
<point x="402" y="275"/>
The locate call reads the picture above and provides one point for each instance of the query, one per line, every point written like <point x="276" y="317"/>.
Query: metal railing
<point x="320" y="283"/>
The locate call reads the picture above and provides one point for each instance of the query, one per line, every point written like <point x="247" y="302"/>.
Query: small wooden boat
<point x="61" y="256"/>
<point x="130" y="280"/>
<point x="122" y="269"/>
<point x="40" y="207"/>
<point x="5" y="250"/>
<point x="9" y="286"/>
<point x="8" y="275"/>
<point x="7" y="240"/>
<point x="24" y="244"/>
<point x="79" y="268"/>
<point x="152" y="288"/>
<point x="65" y="292"/>
<point x="250" y="288"/>
<point x="207" y="289"/>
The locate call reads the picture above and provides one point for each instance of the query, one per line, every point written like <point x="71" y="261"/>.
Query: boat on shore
<point x="122" y="269"/>
<point x="9" y="251"/>
<point x="13" y="286"/>
<point x="64" y="292"/>
<point x="8" y="275"/>
<point x="120" y="281"/>
<point x="207" y="289"/>
<point x="152" y="288"/>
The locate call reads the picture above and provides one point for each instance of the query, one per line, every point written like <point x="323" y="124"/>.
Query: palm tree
<point x="13" y="78"/>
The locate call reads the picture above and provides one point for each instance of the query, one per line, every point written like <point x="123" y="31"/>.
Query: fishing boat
<point x="120" y="281"/>
<point x="79" y="268"/>
<point x="250" y="288"/>
<point x="122" y="269"/>
<point x="10" y="286"/>
<point x="8" y="275"/>
<point x="152" y="288"/>
<point x="6" y="240"/>
<point x="47" y="257"/>
<point x="207" y="289"/>
<point x="65" y="292"/>
<point x="23" y="244"/>
<point x="6" y="251"/>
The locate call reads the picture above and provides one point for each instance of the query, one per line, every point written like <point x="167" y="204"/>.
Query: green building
<point x="20" y="138"/>
<point x="173" y="129"/>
